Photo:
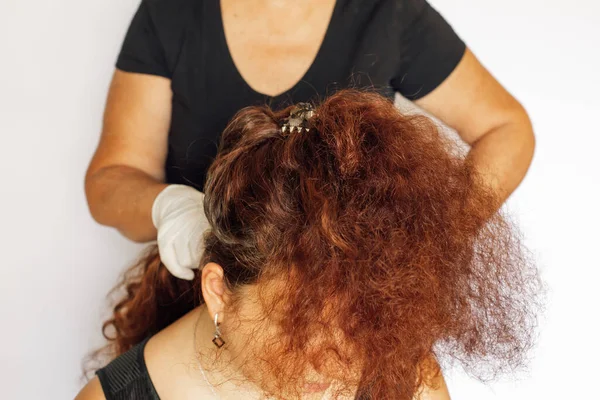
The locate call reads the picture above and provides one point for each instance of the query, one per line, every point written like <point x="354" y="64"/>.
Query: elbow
<point x="136" y="238"/>
<point x="522" y="142"/>
<point x="517" y="128"/>
<point x="97" y="205"/>
<point x="101" y="187"/>
<point x="95" y="197"/>
<point x="527" y="134"/>
<point x="91" y="197"/>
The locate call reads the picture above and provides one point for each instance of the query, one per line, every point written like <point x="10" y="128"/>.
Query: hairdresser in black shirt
<point x="187" y="66"/>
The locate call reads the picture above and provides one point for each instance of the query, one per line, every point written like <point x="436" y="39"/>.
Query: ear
<point x="214" y="289"/>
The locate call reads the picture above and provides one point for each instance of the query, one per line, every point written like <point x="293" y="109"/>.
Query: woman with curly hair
<point x="351" y="249"/>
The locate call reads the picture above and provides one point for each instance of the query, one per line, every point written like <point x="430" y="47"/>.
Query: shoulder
<point x="386" y="17"/>
<point x="127" y="376"/>
<point x="170" y="21"/>
<point x="396" y="8"/>
<point x="168" y="18"/>
<point x="91" y="391"/>
<point x="166" y="10"/>
<point x="166" y="5"/>
<point x="408" y="12"/>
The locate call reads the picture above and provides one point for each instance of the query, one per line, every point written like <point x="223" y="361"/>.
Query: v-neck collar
<point x="308" y="75"/>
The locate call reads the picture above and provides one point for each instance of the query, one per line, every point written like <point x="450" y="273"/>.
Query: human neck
<point x="219" y="366"/>
<point x="223" y="370"/>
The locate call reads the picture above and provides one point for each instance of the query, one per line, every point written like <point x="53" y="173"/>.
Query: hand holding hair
<point x="178" y="215"/>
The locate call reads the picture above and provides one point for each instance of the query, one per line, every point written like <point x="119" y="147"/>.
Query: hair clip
<point x="298" y="119"/>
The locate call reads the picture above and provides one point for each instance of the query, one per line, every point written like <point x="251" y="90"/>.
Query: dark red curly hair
<point x="372" y="211"/>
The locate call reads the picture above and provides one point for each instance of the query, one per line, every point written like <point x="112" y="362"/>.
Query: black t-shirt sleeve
<point x="142" y="50"/>
<point x="430" y="51"/>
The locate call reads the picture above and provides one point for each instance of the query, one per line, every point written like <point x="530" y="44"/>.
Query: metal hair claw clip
<point x="299" y="117"/>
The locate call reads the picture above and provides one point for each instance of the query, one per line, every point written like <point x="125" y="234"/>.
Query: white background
<point x="56" y="59"/>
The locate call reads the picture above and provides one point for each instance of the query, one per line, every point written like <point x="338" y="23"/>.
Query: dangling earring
<point x="218" y="340"/>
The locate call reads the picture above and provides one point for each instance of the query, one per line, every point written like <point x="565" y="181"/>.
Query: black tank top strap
<point x="127" y="378"/>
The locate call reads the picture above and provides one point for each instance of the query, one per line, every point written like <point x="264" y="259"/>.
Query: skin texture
<point x="272" y="57"/>
<point x="171" y="355"/>
<point x="127" y="170"/>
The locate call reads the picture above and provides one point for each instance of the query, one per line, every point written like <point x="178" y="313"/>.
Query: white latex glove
<point x="178" y="215"/>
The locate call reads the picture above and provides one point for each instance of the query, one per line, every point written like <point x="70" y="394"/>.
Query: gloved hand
<point x="178" y="215"/>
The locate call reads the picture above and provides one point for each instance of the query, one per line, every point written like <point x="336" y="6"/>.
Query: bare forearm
<point x="503" y="156"/>
<point x="122" y="197"/>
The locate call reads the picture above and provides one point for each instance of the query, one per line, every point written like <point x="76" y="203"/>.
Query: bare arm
<point x="488" y="118"/>
<point x="126" y="172"/>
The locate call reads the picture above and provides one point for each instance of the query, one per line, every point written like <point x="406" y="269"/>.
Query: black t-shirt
<point x="392" y="45"/>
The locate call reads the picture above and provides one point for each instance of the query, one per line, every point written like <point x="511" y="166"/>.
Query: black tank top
<point x="127" y="378"/>
<point x="393" y="46"/>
